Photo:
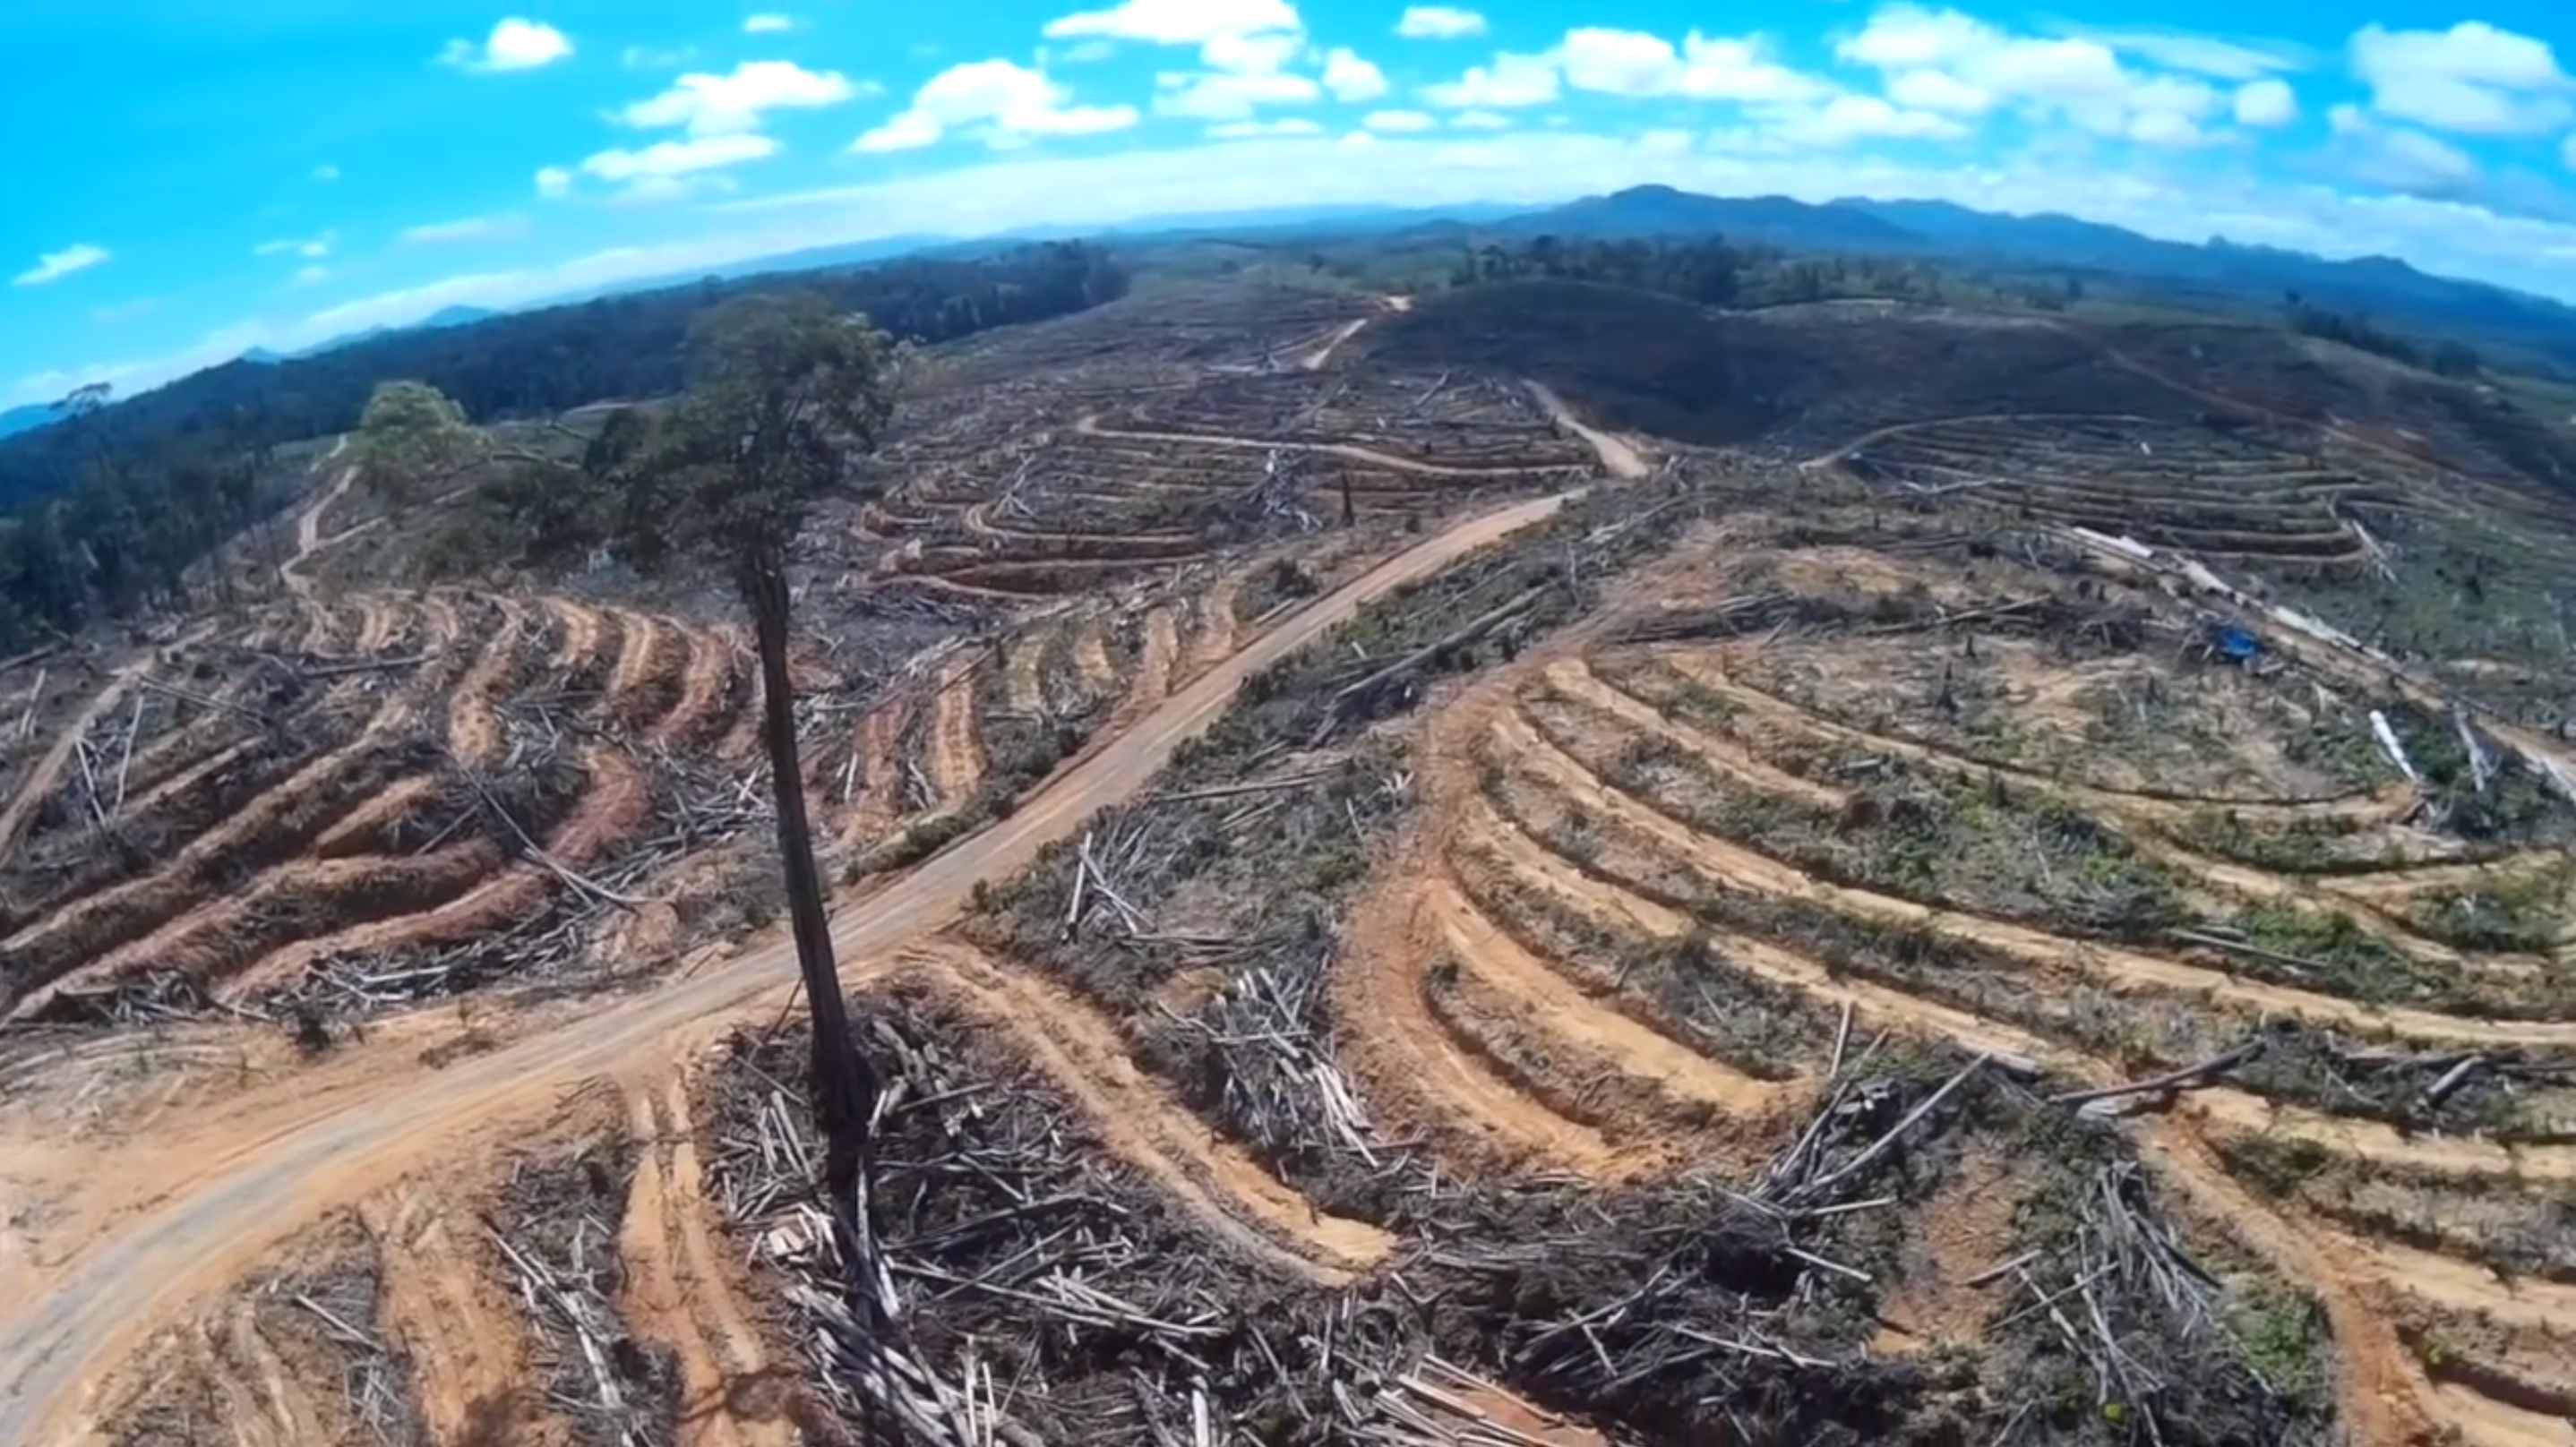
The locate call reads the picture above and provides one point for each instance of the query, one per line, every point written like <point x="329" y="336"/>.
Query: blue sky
<point x="195" y="179"/>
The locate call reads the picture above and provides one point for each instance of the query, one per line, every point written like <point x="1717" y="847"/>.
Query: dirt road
<point x="201" y="1234"/>
<point x="308" y="527"/>
<point x="1617" y="457"/>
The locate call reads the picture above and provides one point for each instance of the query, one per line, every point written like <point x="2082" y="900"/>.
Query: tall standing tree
<point x="786" y="395"/>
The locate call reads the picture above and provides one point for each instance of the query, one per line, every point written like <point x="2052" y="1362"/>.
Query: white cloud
<point x="908" y="131"/>
<point x="1003" y="104"/>
<point x="1225" y="97"/>
<point x="1251" y="130"/>
<point x="1352" y="79"/>
<point x="1251" y="54"/>
<point x="1177" y="22"/>
<point x="1510" y="82"/>
<point x="1938" y="90"/>
<point x="468" y="228"/>
<point x="1902" y="37"/>
<point x="1439" y="22"/>
<point x="2165" y="128"/>
<point x="1947" y="61"/>
<point x="311" y="276"/>
<point x="1620" y="62"/>
<point x="719" y="105"/>
<point x="768" y="23"/>
<point x="554" y="182"/>
<point x="514" y="44"/>
<point x="1396" y="123"/>
<point x="324" y="175"/>
<point x="666" y="160"/>
<point x="53" y="266"/>
<point x="2208" y="55"/>
<point x="2265" y="104"/>
<point x="1849" y="118"/>
<point x="2400" y="158"/>
<point x="311" y="248"/>
<point x="1480" y="121"/>
<point x="2472" y="77"/>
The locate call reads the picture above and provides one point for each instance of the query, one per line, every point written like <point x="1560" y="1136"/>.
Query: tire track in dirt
<point x="580" y="638"/>
<point x="1023" y="685"/>
<point x="1155" y="661"/>
<point x="1099" y="677"/>
<point x="441" y="1301"/>
<point x="877" y="781"/>
<point x="702" y="688"/>
<point x="1732" y="863"/>
<point x="638" y="636"/>
<point x="1232" y="1195"/>
<point x="232" y="1197"/>
<point x="742" y="739"/>
<point x="680" y="1289"/>
<point x="473" y="725"/>
<point x="297" y="1417"/>
<point x="1213" y="639"/>
<point x="956" y="762"/>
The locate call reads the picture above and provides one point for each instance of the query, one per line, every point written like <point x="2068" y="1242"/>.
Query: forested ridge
<point x="109" y="507"/>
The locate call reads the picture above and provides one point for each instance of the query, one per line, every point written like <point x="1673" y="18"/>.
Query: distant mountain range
<point x="2387" y="290"/>
<point x="454" y="316"/>
<point x="25" y="419"/>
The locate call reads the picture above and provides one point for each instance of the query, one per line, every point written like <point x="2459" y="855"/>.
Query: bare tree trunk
<point x="845" y="1084"/>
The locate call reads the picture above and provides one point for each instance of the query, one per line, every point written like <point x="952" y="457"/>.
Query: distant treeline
<point x="1710" y="271"/>
<point x="107" y="508"/>
<point x="1704" y="271"/>
<point x="2451" y="359"/>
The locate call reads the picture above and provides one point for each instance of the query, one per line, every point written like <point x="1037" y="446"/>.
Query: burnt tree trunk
<point x="845" y="1084"/>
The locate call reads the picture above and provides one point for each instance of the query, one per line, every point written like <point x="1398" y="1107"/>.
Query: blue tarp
<point x="2235" y="642"/>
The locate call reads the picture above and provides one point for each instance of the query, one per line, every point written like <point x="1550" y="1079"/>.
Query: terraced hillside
<point x="1941" y="944"/>
<point x="338" y="795"/>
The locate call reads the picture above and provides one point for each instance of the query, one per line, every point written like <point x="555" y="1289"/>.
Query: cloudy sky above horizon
<point x="275" y="174"/>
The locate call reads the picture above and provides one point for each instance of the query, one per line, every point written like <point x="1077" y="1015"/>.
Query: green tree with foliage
<point x="786" y="394"/>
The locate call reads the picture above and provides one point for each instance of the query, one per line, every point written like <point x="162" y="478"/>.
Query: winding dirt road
<point x="216" y="1216"/>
